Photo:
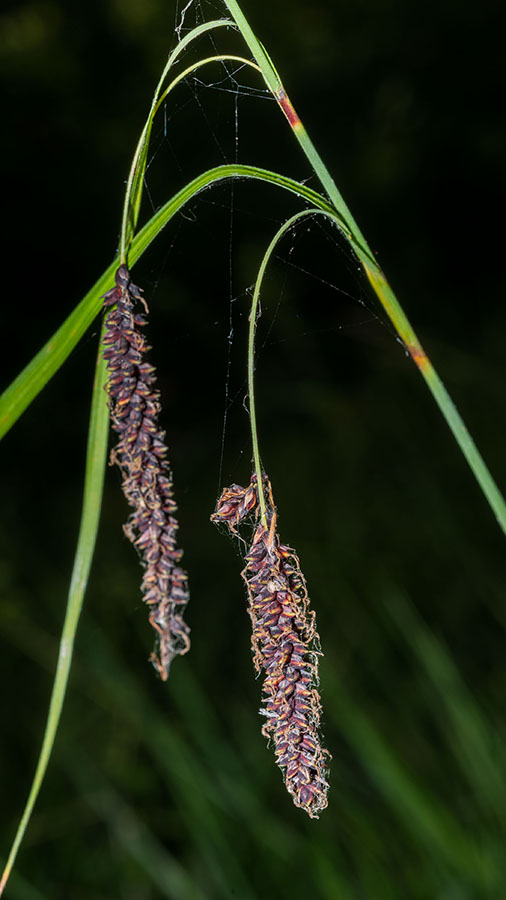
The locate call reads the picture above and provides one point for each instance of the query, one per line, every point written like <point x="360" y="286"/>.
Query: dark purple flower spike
<point x="147" y="477"/>
<point x="285" y="647"/>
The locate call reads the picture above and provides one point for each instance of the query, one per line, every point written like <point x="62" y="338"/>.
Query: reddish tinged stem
<point x="288" y="109"/>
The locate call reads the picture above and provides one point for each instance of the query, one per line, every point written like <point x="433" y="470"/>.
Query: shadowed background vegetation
<point x="168" y="790"/>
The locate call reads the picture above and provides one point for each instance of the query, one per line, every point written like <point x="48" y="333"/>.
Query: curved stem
<point x="252" y="405"/>
<point x="30" y="381"/>
<point x="134" y="176"/>
<point x="413" y="346"/>
<point x="202" y="62"/>
<point x="376" y="277"/>
<point x="253" y="318"/>
<point x="37" y="373"/>
<point x="275" y="85"/>
<point x="131" y="209"/>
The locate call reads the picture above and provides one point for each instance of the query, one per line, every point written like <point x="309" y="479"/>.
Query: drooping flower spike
<point x="141" y="454"/>
<point x="285" y="646"/>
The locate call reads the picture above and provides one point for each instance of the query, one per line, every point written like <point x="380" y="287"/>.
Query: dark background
<point x="168" y="790"/>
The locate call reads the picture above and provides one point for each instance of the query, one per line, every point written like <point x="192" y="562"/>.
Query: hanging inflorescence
<point x="147" y="478"/>
<point x="285" y="646"/>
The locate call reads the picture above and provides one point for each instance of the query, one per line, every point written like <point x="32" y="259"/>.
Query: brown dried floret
<point x="285" y="647"/>
<point x="147" y="477"/>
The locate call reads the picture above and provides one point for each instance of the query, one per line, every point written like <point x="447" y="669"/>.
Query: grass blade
<point x="18" y="396"/>
<point x="92" y="501"/>
<point x="275" y="85"/>
<point x="376" y="277"/>
<point x="135" y="182"/>
<point x="453" y="418"/>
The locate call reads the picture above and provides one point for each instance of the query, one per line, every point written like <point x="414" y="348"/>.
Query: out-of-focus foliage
<point x="168" y="790"/>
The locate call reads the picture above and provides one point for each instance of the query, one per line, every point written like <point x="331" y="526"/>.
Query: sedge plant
<point x="141" y="453"/>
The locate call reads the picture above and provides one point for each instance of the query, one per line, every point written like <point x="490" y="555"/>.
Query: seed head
<point x="141" y="454"/>
<point x="285" y="647"/>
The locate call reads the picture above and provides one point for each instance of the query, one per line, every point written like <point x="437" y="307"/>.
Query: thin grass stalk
<point x="439" y="392"/>
<point x="92" y="502"/>
<point x="284" y="641"/>
<point x="275" y="85"/>
<point x="410" y="341"/>
<point x="226" y="57"/>
<point x="133" y="193"/>
<point x="375" y="275"/>
<point x="251" y="350"/>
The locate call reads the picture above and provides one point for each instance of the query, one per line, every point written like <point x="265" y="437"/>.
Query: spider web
<point x="216" y="96"/>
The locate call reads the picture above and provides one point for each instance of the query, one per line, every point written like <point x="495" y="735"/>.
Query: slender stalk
<point x="376" y="277"/>
<point x="275" y="85"/>
<point x="453" y="418"/>
<point x="94" y="478"/>
<point x="251" y="394"/>
<point x="203" y="62"/>
<point x="412" y="345"/>
<point x="134" y="182"/>
<point x="253" y="318"/>
<point x="133" y="192"/>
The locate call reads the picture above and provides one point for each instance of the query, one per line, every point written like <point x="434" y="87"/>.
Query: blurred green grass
<point x="170" y="790"/>
<point x="173" y="793"/>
